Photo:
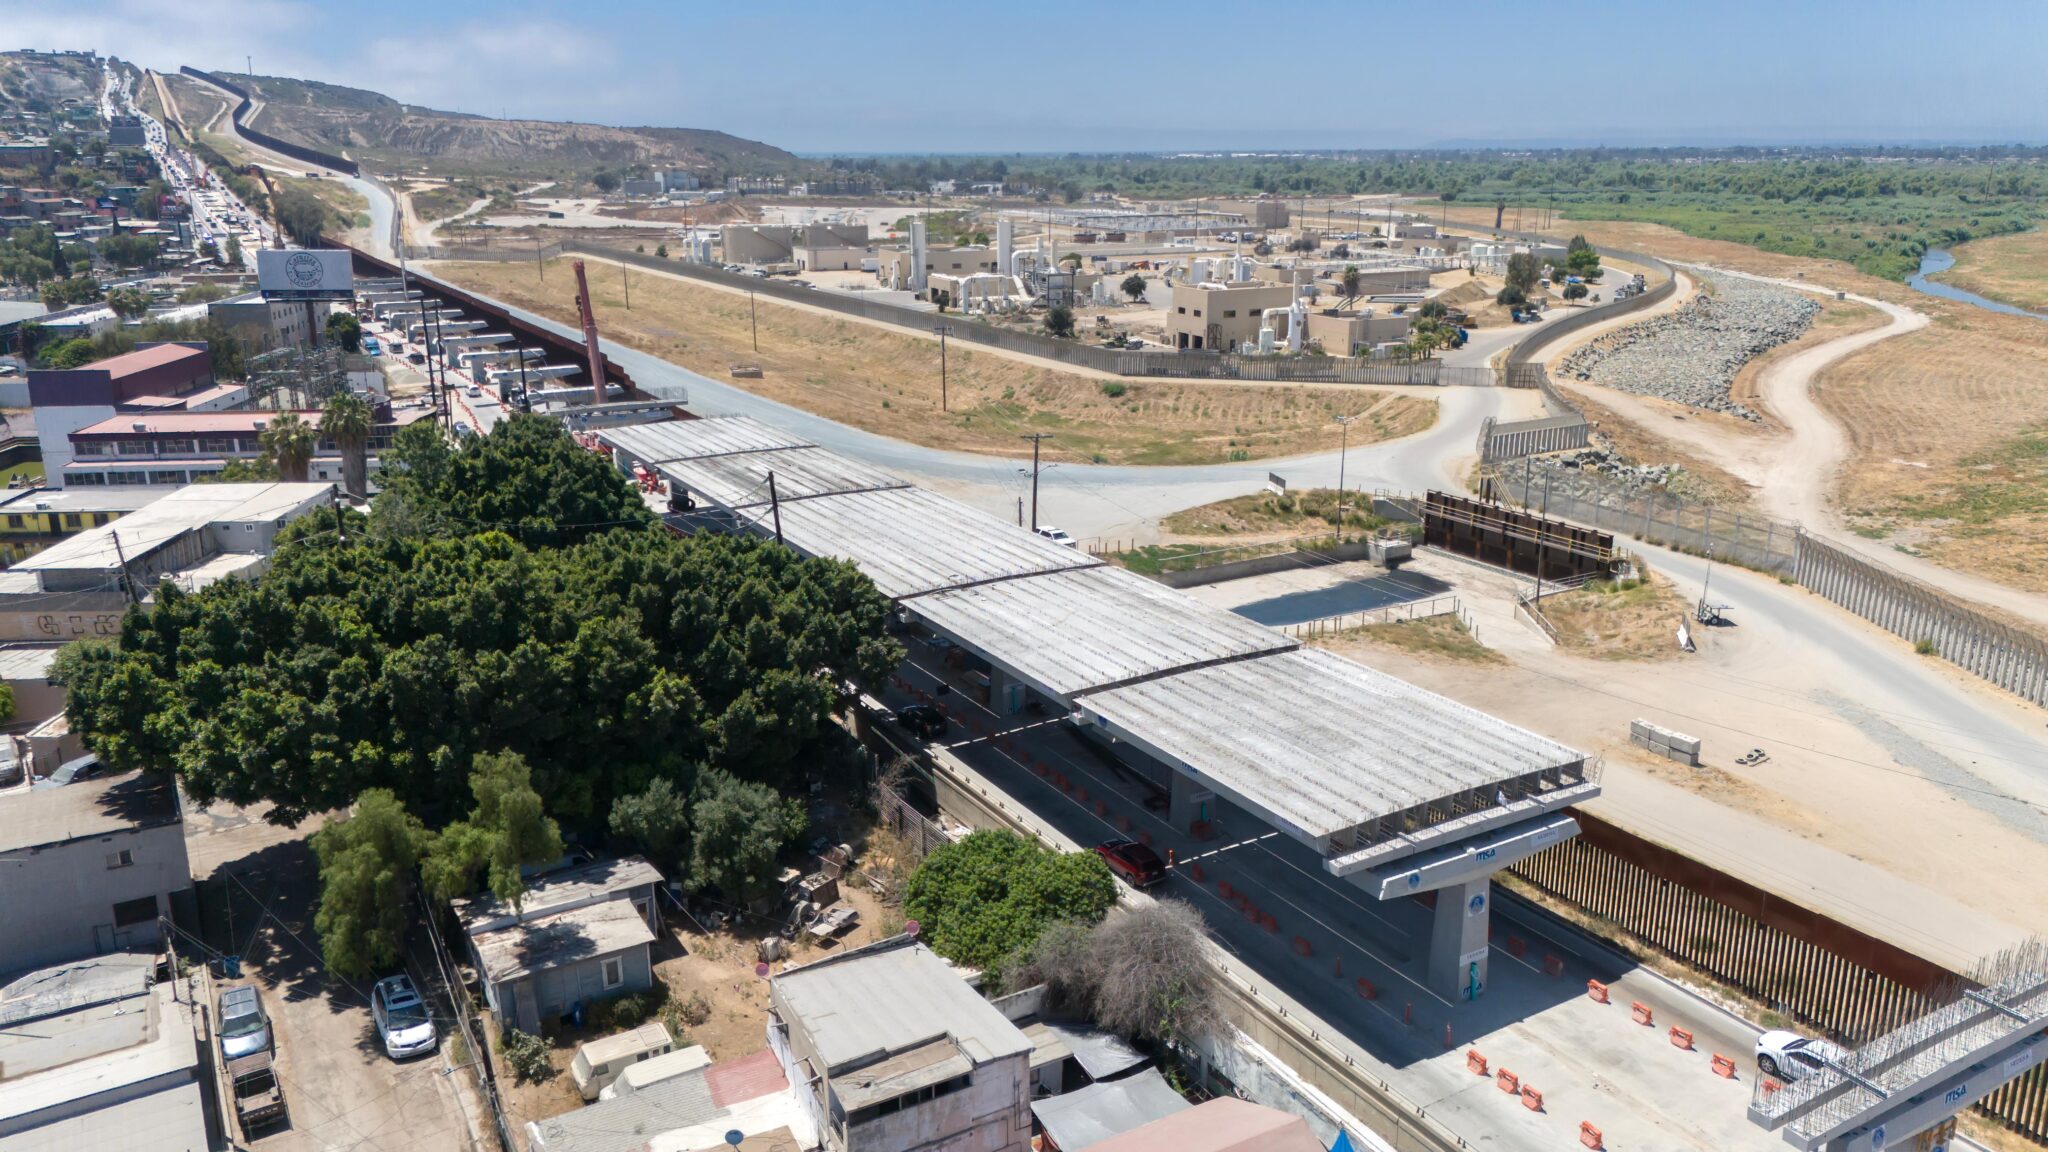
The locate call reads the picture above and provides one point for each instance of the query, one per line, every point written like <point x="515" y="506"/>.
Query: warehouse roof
<point x="1088" y="1116"/>
<point x="863" y="1006"/>
<point x="1085" y="628"/>
<point x="697" y="439"/>
<point x="910" y="542"/>
<point x="155" y="524"/>
<point x="1320" y="743"/>
<point x="740" y="480"/>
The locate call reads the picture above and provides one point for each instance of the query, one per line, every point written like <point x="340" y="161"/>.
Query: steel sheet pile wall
<point x="1804" y="964"/>
<point x="1518" y="438"/>
<point x="284" y="147"/>
<point x="2014" y="660"/>
<point x="1521" y="541"/>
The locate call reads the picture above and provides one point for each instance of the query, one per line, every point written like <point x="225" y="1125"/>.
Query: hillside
<point x="46" y="82"/>
<point x="385" y="134"/>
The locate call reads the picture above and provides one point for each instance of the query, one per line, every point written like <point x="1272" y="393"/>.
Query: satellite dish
<point x="910" y="928"/>
<point x="761" y="970"/>
<point x="735" y="1137"/>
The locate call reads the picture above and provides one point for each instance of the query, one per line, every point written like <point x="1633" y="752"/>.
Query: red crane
<point x="596" y="366"/>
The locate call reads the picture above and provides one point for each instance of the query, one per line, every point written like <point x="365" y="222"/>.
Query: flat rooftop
<point x="163" y="520"/>
<point x="45" y="816"/>
<point x="597" y="880"/>
<point x="1319" y="743"/>
<point x="867" y="1005"/>
<point x="740" y="481"/>
<point x="95" y="498"/>
<point x="911" y="542"/>
<point x="548" y="941"/>
<point x="1089" y="628"/>
<point x="27" y="661"/>
<point x="697" y="439"/>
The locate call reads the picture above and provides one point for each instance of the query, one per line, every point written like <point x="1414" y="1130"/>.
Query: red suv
<point x="1140" y="866"/>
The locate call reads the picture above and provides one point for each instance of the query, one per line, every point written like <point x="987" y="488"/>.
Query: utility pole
<point x="1343" y="444"/>
<point x="753" y="324"/>
<point x="127" y="585"/>
<point x="626" y="279"/>
<point x="775" y="507"/>
<point x="1036" y="438"/>
<point x="942" y="331"/>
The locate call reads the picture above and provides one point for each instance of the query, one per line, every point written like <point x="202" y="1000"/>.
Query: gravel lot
<point x="1691" y="356"/>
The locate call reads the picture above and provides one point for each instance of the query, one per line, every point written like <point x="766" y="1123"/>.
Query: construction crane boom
<point x="590" y="348"/>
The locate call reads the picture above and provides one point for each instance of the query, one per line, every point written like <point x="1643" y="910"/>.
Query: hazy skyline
<point x="1064" y="76"/>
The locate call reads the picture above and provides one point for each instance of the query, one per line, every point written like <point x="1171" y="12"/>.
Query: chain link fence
<point x="1648" y="512"/>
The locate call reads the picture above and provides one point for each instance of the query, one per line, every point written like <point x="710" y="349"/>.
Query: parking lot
<point x="257" y="887"/>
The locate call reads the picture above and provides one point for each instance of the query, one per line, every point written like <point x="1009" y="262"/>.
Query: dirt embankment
<point x="888" y="382"/>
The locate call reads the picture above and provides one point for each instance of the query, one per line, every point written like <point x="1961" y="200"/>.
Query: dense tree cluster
<point x="507" y="624"/>
<point x="983" y="900"/>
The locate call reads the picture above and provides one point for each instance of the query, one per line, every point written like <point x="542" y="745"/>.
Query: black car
<point x="923" y="719"/>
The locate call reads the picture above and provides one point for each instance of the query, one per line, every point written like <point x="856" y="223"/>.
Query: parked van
<point x="599" y="1062"/>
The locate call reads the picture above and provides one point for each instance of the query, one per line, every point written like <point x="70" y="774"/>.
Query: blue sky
<point x="1055" y="75"/>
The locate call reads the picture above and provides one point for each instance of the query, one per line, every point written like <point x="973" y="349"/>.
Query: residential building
<point x="194" y="536"/>
<point x="895" y="1052"/>
<point x="184" y="447"/>
<point x="97" y="1054"/>
<point x="578" y="935"/>
<point x="26" y="671"/>
<point x="66" y="400"/>
<point x="1217" y="316"/>
<point x="1225" y="1124"/>
<point x="92" y="867"/>
<point x="263" y="325"/>
<point x="681" y="1102"/>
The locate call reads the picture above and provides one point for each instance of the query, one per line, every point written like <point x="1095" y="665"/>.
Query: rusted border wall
<point x="1809" y="966"/>
<point x="569" y="348"/>
<point x="282" y="147"/>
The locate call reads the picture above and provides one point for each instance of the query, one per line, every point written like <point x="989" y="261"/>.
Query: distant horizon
<point x="858" y="82"/>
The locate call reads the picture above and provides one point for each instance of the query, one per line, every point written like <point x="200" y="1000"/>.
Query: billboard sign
<point x="304" y="274"/>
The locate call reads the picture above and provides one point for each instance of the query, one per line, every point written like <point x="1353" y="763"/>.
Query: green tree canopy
<point x="347" y="421"/>
<point x="1522" y="273"/>
<point x="655" y="821"/>
<point x="288" y="442"/>
<point x="129" y="251"/>
<point x="527" y="478"/>
<point x="984" y="899"/>
<point x="1134" y="287"/>
<point x="366" y="869"/>
<point x="506" y="829"/>
<point x="128" y="303"/>
<point x="737" y="831"/>
<point x="344" y="329"/>
<point x="1059" y="321"/>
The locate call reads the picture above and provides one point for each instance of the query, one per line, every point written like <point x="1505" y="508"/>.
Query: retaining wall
<point x="1261" y="565"/>
<point x="1518" y="438"/>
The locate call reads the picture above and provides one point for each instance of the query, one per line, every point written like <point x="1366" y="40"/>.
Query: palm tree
<point x="346" y="421"/>
<point x="288" y="441"/>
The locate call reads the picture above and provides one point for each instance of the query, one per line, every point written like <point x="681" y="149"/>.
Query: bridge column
<point x="1187" y="801"/>
<point x="1457" y="940"/>
<point x="1005" y="693"/>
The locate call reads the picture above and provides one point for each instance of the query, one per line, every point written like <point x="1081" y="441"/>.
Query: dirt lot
<point x="1436" y="638"/>
<point x="257" y="887"/>
<point x="888" y="382"/>
<point x="1635" y="620"/>
<point x="2012" y="269"/>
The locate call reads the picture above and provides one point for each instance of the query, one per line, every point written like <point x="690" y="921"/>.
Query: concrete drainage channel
<point x="1364" y="1105"/>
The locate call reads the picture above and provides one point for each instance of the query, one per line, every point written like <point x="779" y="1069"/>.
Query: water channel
<point x="1938" y="260"/>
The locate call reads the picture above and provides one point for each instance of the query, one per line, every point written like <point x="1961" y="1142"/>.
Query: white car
<point x="402" y="1019"/>
<point x="1056" y="536"/>
<point x="1789" y="1056"/>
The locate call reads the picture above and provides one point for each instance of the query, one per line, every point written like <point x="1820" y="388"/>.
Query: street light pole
<point x="1343" y="446"/>
<point x="753" y="324"/>
<point x="942" y="331"/>
<point x="1036" y="438"/>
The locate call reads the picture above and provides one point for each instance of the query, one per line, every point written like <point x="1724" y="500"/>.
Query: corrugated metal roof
<point x="544" y="942"/>
<point x="697" y="439"/>
<point x="27" y="661"/>
<point x="860" y="1006"/>
<point x="629" y="1123"/>
<point x="741" y="480"/>
<point x="151" y="526"/>
<point x="1087" y="1116"/>
<point x="910" y="541"/>
<point x="1071" y="631"/>
<point x="1319" y="742"/>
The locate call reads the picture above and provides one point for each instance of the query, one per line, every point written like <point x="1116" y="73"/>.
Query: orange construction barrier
<point x="1101" y="809"/>
<point x="1267" y="922"/>
<point x="1640" y="1013"/>
<point x="1448" y="1043"/>
<point x="1224" y="889"/>
<point x="1680" y="1038"/>
<point x="1474" y="1062"/>
<point x="1408" y="1013"/>
<point x="1591" y="1137"/>
<point x="1302" y="947"/>
<point x="1724" y="1067"/>
<point x="1195" y="870"/>
<point x="1081" y="794"/>
<point x="1145" y="838"/>
<point x="1597" y="991"/>
<point x="1517" y="946"/>
<point x="1552" y="966"/>
<point x="1532" y="1099"/>
<point x="1507" y="1082"/>
<point x="1366" y="991"/>
<point x="1123" y="822"/>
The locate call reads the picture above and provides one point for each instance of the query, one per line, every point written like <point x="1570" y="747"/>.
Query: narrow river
<point x="1938" y="260"/>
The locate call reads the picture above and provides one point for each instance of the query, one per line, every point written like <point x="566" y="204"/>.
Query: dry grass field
<point x="2012" y="269"/>
<point x="1432" y="638"/>
<point x="1633" y="620"/>
<point x="887" y="382"/>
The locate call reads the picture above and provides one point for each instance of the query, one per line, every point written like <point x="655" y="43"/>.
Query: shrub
<point x="1114" y="388"/>
<point x="1924" y="646"/>
<point x="629" y="1011"/>
<point x="527" y="1055"/>
<point x="695" y="1010"/>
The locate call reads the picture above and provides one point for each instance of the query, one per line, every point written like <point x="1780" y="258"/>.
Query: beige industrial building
<point x="1353" y="332"/>
<point x="893" y="265"/>
<point x="1221" y="315"/>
